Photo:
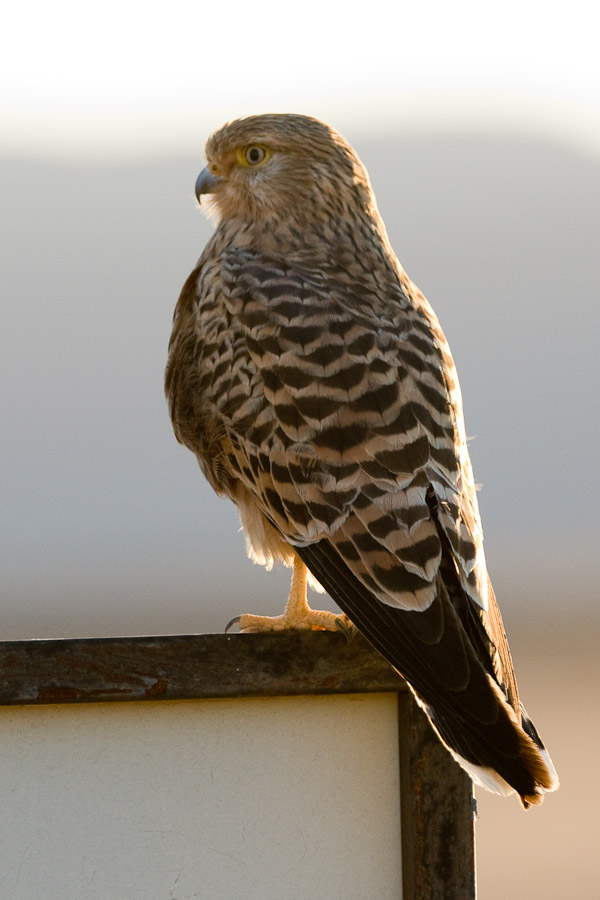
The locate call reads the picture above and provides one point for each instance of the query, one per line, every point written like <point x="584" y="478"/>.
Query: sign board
<point x="275" y="767"/>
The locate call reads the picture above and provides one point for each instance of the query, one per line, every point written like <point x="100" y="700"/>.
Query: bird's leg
<point x="297" y="614"/>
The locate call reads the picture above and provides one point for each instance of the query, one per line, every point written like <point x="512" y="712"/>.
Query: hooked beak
<point x="207" y="183"/>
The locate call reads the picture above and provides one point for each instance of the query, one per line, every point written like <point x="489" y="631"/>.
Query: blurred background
<point x="480" y="127"/>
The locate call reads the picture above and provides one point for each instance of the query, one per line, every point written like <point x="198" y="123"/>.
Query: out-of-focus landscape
<point x="109" y="528"/>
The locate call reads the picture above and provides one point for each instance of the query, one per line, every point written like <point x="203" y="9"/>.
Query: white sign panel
<point x="289" y="798"/>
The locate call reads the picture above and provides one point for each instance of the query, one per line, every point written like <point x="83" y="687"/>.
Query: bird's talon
<point x="232" y="622"/>
<point x="345" y="628"/>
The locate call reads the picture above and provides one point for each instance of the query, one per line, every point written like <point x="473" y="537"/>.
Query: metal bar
<point x="437" y="813"/>
<point x="190" y="666"/>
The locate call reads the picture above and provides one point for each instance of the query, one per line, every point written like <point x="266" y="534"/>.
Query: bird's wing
<point x="362" y="440"/>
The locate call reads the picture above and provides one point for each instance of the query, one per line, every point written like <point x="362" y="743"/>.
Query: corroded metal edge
<point x="437" y="813"/>
<point x="196" y="666"/>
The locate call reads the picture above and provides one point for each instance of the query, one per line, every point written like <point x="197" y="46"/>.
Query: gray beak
<point x="206" y="183"/>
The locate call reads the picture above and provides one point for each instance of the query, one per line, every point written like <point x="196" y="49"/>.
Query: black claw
<point x="232" y="622"/>
<point x="347" y="630"/>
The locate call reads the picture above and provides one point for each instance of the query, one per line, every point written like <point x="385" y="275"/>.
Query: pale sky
<point x="126" y="77"/>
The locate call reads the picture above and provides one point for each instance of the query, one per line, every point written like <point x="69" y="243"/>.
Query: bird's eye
<point x="254" y="155"/>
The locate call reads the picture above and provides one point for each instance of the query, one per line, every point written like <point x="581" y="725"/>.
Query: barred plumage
<point x="313" y="382"/>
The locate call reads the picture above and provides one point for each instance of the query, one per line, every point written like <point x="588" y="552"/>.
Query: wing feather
<point x="364" y="423"/>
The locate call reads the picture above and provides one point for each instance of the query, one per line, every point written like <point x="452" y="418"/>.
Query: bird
<point x="314" y="384"/>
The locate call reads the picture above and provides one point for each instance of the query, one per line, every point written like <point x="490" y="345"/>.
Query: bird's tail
<point x="453" y="668"/>
<point x="521" y="764"/>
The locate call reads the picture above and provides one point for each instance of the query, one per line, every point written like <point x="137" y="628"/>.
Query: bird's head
<point x="275" y="169"/>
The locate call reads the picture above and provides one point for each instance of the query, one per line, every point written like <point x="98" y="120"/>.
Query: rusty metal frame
<point x="436" y="797"/>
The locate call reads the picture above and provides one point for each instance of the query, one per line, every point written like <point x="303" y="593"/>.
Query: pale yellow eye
<point x="253" y="155"/>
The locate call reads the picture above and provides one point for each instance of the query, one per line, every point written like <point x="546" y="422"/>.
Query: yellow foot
<point x="298" y="615"/>
<point x="308" y="620"/>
